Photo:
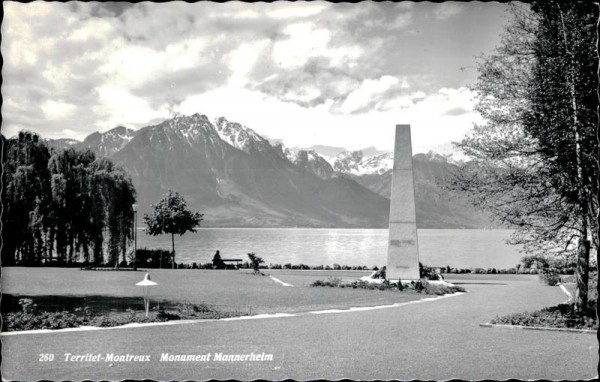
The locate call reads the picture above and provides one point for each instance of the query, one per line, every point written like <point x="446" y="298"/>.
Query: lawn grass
<point x="561" y="315"/>
<point x="225" y="290"/>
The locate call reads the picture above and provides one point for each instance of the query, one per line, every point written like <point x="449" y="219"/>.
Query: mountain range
<point x="237" y="178"/>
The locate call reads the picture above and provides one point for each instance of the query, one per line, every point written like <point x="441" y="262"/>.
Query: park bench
<point x="237" y="262"/>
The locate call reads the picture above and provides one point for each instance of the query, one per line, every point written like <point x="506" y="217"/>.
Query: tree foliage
<point x="58" y="206"/>
<point x="534" y="160"/>
<point x="171" y="216"/>
<point x="255" y="261"/>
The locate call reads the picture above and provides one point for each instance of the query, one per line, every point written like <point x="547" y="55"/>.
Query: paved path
<point x="431" y="340"/>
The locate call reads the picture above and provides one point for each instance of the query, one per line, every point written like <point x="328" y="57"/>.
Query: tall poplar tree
<point x="61" y="203"/>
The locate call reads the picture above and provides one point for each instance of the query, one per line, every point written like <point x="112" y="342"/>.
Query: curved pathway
<point x="436" y="340"/>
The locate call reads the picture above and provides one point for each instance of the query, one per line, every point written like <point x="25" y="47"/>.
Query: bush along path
<point x="30" y="318"/>
<point x="563" y="316"/>
<point x="421" y="286"/>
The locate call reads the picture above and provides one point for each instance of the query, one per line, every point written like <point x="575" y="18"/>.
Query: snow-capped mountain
<point x="436" y="207"/>
<point x="329" y="153"/>
<point x="378" y="164"/>
<point x="237" y="178"/>
<point x="436" y="157"/>
<point x="61" y="143"/>
<point x="309" y="160"/>
<point x="355" y="163"/>
<point x="108" y="143"/>
<point x="285" y="152"/>
<point x="239" y="136"/>
<point x="347" y="161"/>
<point x="191" y="130"/>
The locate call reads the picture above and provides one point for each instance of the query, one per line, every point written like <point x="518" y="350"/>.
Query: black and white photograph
<point x="299" y="190"/>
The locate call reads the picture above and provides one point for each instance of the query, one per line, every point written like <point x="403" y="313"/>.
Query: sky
<point x="307" y="73"/>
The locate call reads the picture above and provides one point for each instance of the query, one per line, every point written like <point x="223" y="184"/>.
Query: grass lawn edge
<point x="236" y="318"/>
<point x="546" y="328"/>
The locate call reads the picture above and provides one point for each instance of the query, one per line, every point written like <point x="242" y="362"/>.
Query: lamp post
<point x="134" y="206"/>
<point x="146" y="282"/>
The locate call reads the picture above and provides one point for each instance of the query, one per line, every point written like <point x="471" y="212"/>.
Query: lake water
<point x="437" y="247"/>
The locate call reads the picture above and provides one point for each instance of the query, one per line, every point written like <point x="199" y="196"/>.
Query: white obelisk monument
<point x="403" y="246"/>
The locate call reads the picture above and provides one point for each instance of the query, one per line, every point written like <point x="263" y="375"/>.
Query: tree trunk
<point x="173" y="246"/>
<point x="583" y="259"/>
<point x="598" y="294"/>
<point x="583" y="250"/>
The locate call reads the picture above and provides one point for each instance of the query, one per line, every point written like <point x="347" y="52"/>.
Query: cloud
<point x="286" y="10"/>
<point x="368" y="94"/>
<point x="311" y="85"/>
<point x="446" y="10"/>
<point x="456" y="111"/>
<point x="74" y="68"/>
<point x="58" y="110"/>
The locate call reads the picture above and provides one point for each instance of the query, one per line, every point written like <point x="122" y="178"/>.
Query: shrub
<point x="419" y="286"/>
<point x="336" y="267"/>
<point x="559" y="316"/>
<point x="375" y="268"/>
<point x="440" y="289"/>
<point x="550" y="277"/>
<point x="287" y="266"/>
<point x="151" y="258"/>
<point x="163" y="315"/>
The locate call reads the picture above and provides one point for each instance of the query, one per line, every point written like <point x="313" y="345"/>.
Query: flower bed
<point x="421" y="286"/>
<point x="30" y="318"/>
<point x="559" y="316"/>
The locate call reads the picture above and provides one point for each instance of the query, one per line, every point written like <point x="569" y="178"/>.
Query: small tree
<point x="170" y="215"/>
<point x="255" y="261"/>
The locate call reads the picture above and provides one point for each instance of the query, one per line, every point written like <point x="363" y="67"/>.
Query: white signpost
<point x="146" y="282"/>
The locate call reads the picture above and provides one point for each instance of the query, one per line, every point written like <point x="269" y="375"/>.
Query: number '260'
<point x="46" y="357"/>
